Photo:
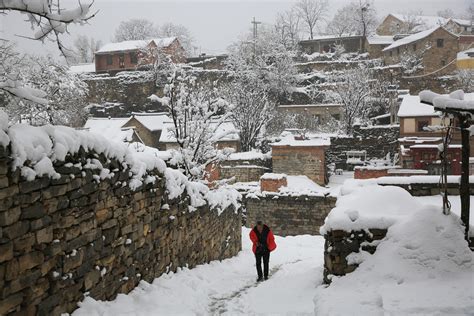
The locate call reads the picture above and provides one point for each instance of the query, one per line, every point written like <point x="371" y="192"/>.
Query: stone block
<point x="10" y="303"/>
<point x="6" y="252"/>
<point x="30" y="260"/>
<point x="10" y="216"/>
<point x="34" y="211"/>
<point x="44" y="235"/>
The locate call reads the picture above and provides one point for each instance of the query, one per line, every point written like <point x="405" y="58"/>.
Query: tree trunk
<point x="464" y="190"/>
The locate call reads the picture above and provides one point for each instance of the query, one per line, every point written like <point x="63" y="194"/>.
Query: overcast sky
<point x="213" y="24"/>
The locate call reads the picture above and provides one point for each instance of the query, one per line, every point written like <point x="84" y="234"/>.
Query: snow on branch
<point x="48" y="18"/>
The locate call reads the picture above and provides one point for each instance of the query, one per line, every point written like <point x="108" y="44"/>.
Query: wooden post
<point x="464" y="190"/>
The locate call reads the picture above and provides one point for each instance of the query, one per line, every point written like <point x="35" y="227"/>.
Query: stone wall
<point x="243" y="173"/>
<point x="378" y="141"/>
<point x="289" y="215"/>
<point x="63" y="239"/>
<point x="427" y="189"/>
<point x="339" y="244"/>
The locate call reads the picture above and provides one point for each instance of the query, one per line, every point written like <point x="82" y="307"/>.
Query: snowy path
<point x="229" y="287"/>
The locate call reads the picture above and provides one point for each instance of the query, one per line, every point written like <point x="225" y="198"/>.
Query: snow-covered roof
<point x="466" y="54"/>
<point x="110" y="128"/>
<point x="380" y="39"/>
<point x="322" y="105"/>
<point x="412" y="107"/>
<point x="288" y="139"/>
<point x="225" y="132"/>
<point x="135" y="45"/>
<point x="412" y="38"/>
<point x="82" y="68"/>
<point x="152" y="121"/>
<point x="330" y="37"/>
<point x="425" y="21"/>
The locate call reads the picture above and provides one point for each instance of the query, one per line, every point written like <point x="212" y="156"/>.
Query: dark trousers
<point x="266" y="259"/>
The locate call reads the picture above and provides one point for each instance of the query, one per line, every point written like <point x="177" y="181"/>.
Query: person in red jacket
<point x="263" y="243"/>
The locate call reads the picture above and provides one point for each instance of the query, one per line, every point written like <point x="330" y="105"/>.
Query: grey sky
<point x="213" y="24"/>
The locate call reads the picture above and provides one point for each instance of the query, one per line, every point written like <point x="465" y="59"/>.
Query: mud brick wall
<point x="66" y="238"/>
<point x="339" y="244"/>
<point x="289" y="215"/>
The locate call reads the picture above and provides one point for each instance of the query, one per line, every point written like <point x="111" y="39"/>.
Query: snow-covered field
<point x="229" y="287"/>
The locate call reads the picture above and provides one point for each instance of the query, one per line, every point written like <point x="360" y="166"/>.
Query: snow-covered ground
<point x="229" y="287"/>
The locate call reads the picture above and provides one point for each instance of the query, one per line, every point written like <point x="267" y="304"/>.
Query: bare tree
<point x="412" y="23"/>
<point x="180" y="32"/>
<point x="311" y="13"/>
<point x="135" y="29"/>
<point x="287" y="26"/>
<point x="195" y="109"/>
<point x="446" y="13"/>
<point x="343" y="22"/>
<point x="84" y="50"/>
<point x="353" y="90"/>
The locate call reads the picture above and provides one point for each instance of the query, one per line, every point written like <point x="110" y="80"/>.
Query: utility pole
<point x="255" y="26"/>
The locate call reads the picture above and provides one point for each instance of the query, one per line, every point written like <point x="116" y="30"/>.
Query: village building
<point x="121" y="56"/>
<point x="419" y="145"/>
<point x="148" y="126"/>
<point x="301" y="155"/>
<point x="320" y="113"/>
<point x="395" y="24"/>
<point x="229" y="137"/>
<point x="436" y="48"/>
<point x="376" y="43"/>
<point x="329" y="43"/>
<point x="112" y="129"/>
<point x="155" y="130"/>
<point x="466" y="42"/>
<point x="465" y="60"/>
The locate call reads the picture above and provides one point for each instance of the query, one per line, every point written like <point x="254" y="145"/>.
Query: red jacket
<point x="270" y="239"/>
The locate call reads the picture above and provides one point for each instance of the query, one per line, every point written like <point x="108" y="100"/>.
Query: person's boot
<point x="266" y="277"/>
<point x="260" y="279"/>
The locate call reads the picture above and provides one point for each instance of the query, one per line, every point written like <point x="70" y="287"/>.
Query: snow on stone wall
<point x="81" y="216"/>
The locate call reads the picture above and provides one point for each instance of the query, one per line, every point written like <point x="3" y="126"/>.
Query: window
<point x="336" y="116"/>
<point x="465" y="29"/>
<point x="420" y="124"/>
<point x="109" y="60"/>
<point x="316" y="118"/>
<point x="122" y="61"/>
<point x="443" y="62"/>
<point x="398" y="50"/>
<point x="391" y="53"/>
<point x="414" y="47"/>
<point x="440" y="42"/>
<point x="133" y="58"/>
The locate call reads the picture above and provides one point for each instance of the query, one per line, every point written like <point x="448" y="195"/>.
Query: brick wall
<point x="272" y="185"/>
<point x="66" y="238"/>
<point x="289" y="215"/>
<point x="300" y="160"/>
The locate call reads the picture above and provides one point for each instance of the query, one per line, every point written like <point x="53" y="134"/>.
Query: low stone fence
<point x="425" y="185"/>
<point x="340" y="244"/>
<point x="73" y="236"/>
<point x="288" y="215"/>
<point x="243" y="173"/>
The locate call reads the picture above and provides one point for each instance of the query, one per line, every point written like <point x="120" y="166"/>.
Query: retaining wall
<point x="67" y="238"/>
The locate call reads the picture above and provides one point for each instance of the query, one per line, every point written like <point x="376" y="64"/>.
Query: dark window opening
<point x="422" y="124"/>
<point x="121" y="61"/>
<point x="440" y="42"/>
<point x="109" y="60"/>
<point x="133" y="58"/>
<point x="414" y="47"/>
<point x="443" y="62"/>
